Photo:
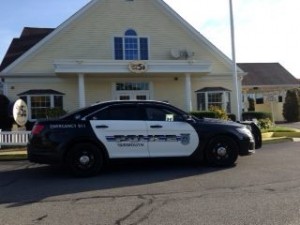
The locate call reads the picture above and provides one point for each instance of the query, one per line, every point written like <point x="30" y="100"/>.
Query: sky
<point x="265" y="30"/>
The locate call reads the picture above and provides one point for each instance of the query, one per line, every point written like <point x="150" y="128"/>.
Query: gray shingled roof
<point x="211" y="89"/>
<point x="267" y="74"/>
<point x="41" y="92"/>
<point x="29" y="37"/>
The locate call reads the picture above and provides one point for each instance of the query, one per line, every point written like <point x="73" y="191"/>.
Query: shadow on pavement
<point x="29" y="183"/>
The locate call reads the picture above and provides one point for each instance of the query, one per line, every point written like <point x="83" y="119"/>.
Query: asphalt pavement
<point x="261" y="189"/>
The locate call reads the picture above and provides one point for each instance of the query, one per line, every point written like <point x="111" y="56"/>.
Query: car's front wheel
<point x="84" y="159"/>
<point x="222" y="151"/>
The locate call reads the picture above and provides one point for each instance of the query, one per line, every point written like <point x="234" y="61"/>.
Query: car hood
<point x="211" y="121"/>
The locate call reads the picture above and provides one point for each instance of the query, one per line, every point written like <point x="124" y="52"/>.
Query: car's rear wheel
<point x="84" y="159"/>
<point x="222" y="151"/>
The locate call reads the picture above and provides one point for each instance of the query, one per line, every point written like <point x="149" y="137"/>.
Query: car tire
<point x="222" y="151"/>
<point x="84" y="159"/>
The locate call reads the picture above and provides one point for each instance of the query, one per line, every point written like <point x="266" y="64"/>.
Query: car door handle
<point x="101" y="126"/>
<point x="156" y="126"/>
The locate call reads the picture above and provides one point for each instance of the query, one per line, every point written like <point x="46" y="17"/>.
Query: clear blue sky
<point x="266" y="30"/>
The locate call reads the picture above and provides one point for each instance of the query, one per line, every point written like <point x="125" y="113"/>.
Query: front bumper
<point x="247" y="147"/>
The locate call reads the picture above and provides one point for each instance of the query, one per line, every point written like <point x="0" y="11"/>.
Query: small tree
<point x="291" y="106"/>
<point x="55" y="113"/>
<point x="220" y="113"/>
<point x="251" y="106"/>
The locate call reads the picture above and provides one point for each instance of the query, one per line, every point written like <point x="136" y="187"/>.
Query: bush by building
<point x="291" y="106"/>
<point x="256" y="115"/>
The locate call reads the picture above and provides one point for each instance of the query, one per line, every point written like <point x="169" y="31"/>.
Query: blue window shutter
<point x="144" y="52"/>
<point x="118" y="48"/>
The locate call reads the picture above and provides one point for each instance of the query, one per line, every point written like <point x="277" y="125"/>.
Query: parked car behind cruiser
<point x="85" y="139"/>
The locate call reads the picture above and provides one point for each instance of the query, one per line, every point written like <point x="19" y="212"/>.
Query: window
<point x="40" y="101"/>
<point x="141" y="97"/>
<point x="259" y="98"/>
<point x="132" y="86"/>
<point x="215" y="99"/>
<point x="159" y="114"/>
<point x="1" y="88"/>
<point x="120" y="112"/>
<point x="39" y="106"/>
<point x="219" y="97"/>
<point x="131" y="47"/>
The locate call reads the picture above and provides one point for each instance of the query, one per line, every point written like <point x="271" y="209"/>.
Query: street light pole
<point x="234" y="66"/>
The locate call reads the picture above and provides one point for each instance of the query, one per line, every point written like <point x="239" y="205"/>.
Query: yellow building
<point x="113" y="49"/>
<point x="266" y="84"/>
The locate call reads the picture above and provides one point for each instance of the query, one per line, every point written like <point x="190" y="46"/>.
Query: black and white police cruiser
<point x="87" y="138"/>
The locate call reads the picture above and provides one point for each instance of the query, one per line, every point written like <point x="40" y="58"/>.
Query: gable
<point x="89" y="35"/>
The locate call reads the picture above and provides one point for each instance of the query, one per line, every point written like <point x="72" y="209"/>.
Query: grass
<point x="13" y="153"/>
<point x="280" y="129"/>
<point x="12" y="148"/>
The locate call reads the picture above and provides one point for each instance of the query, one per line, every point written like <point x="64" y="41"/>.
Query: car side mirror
<point x="188" y="118"/>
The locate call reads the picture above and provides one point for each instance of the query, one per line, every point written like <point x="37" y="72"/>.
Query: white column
<point x="81" y="90"/>
<point x="188" y="94"/>
<point x="5" y="89"/>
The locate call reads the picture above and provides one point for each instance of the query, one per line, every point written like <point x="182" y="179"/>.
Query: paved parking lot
<point x="261" y="189"/>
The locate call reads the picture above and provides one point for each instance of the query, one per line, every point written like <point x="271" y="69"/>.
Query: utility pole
<point x="234" y="66"/>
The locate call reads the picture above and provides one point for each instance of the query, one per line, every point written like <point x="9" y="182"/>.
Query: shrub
<point x="231" y="117"/>
<point x="215" y="112"/>
<point x="256" y="115"/>
<point x="251" y="107"/>
<point x="203" y="114"/>
<point x="220" y="113"/>
<point x="291" y="106"/>
<point x="265" y="123"/>
<point x="55" y="112"/>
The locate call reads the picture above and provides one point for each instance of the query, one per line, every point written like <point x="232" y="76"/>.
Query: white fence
<point x="14" y="138"/>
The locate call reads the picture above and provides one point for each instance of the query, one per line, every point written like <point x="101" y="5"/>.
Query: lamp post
<point x="234" y="66"/>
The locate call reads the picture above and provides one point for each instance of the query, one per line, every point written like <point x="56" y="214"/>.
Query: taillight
<point x="37" y="128"/>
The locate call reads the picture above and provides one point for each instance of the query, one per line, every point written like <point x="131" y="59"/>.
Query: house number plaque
<point x="138" y="67"/>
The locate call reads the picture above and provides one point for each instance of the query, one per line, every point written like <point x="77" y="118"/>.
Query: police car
<point x="86" y="139"/>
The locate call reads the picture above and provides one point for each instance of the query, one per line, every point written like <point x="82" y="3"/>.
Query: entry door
<point x="133" y="95"/>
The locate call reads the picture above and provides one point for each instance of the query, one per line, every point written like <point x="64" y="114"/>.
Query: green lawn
<point x="280" y="129"/>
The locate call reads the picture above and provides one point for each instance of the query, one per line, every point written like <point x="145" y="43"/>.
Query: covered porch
<point x="144" y="71"/>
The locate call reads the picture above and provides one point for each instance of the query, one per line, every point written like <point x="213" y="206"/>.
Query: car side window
<point x="162" y="114"/>
<point x="118" y="112"/>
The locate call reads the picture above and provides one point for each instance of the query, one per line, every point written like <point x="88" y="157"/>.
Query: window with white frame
<point x="132" y="86"/>
<point x="214" y="96"/>
<point x="131" y="47"/>
<point x="39" y="102"/>
<point x="259" y="98"/>
<point x="1" y="88"/>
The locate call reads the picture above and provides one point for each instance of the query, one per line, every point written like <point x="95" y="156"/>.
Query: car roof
<point x="98" y="106"/>
<point x="111" y="102"/>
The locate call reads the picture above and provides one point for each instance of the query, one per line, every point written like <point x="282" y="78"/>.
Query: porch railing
<point x="14" y="138"/>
